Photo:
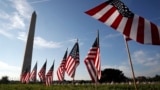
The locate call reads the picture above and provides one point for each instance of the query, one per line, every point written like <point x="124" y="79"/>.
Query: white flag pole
<point x="129" y="56"/>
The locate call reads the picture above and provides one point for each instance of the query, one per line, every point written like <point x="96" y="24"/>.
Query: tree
<point x="112" y="75"/>
<point x="141" y="79"/>
<point x="156" y="78"/>
<point x="4" y="80"/>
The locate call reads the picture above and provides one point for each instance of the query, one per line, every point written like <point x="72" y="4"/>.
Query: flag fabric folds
<point x="49" y="75"/>
<point x="42" y="72"/>
<point x="117" y="15"/>
<point x="92" y="61"/>
<point x="25" y="76"/>
<point x="72" y="60"/>
<point x="61" y="69"/>
<point x="33" y="75"/>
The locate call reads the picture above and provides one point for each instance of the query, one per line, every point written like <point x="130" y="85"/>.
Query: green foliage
<point x="4" y="80"/>
<point x="112" y="75"/>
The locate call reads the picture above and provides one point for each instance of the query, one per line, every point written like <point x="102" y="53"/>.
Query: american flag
<point x="72" y="60"/>
<point x="116" y="15"/>
<point x="61" y="69"/>
<point x="92" y="61"/>
<point x="49" y="76"/>
<point x="25" y="76"/>
<point x="42" y="72"/>
<point x="33" y="75"/>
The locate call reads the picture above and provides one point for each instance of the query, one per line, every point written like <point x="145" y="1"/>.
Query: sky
<point x="59" y="24"/>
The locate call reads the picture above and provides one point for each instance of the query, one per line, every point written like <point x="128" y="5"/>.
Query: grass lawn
<point x="78" y="87"/>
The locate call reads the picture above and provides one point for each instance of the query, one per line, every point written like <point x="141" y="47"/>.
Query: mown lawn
<point x="78" y="87"/>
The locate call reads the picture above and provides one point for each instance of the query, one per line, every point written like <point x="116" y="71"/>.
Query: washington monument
<point x="25" y="73"/>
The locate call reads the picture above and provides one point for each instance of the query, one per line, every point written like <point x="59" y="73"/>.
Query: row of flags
<point x="45" y="78"/>
<point x="92" y="62"/>
<point x="69" y="65"/>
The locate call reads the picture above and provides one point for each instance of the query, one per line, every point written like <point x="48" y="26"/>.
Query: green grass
<point x="78" y="87"/>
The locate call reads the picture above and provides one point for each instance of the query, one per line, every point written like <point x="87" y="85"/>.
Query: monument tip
<point x="34" y="13"/>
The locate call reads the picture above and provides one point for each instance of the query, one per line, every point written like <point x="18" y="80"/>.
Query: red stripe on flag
<point x="91" y="69"/>
<point x="154" y="33"/>
<point x="98" y="63"/>
<point x="70" y="67"/>
<point x="116" y="23"/>
<point x="140" y="31"/>
<point x="96" y="9"/>
<point x="107" y="14"/>
<point x="128" y="25"/>
<point x="59" y="75"/>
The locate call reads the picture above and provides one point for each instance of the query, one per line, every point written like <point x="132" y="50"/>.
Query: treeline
<point x="116" y="75"/>
<point x="156" y="78"/>
<point x="109" y="75"/>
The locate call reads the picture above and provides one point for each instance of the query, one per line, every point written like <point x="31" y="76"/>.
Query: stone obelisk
<point x="29" y="48"/>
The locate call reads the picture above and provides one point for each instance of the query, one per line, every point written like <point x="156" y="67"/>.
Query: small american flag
<point x="49" y="76"/>
<point x="72" y="60"/>
<point x="92" y="61"/>
<point x="33" y="75"/>
<point x="25" y="76"/>
<point x="115" y="14"/>
<point x="42" y="72"/>
<point x="61" y="69"/>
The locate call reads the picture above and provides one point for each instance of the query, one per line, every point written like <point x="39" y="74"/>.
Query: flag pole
<point x="73" y="77"/>
<point x="96" y="69"/>
<point x="129" y="56"/>
<point x="63" y="77"/>
<point x="64" y="70"/>
<point x="96" y="80"/>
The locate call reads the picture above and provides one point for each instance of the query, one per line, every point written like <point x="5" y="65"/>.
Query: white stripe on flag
<point x="122" y="25"/>
<point x="102" y="12"/>
<point x="112" y="18"/>
<point x="134" y="28"/>
<point x="91" y="68"/>
<point x="147" y="32"/>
